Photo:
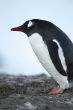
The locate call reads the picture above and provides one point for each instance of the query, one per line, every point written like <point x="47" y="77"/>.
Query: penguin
<point x="53" y="49"/>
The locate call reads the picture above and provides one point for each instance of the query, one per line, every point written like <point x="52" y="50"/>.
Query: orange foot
<point x="56" y="90"/>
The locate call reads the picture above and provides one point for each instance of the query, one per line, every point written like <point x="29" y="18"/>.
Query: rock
<point x="31" y="93"/>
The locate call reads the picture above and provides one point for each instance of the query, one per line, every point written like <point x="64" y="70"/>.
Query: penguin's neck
<point x="35" y="40"/>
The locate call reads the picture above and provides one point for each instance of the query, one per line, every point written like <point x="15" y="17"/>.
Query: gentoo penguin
<point x="54" y="50"/>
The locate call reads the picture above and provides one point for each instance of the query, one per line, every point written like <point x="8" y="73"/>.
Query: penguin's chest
<point x="42" y="53"/>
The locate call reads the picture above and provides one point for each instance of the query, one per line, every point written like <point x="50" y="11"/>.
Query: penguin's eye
<point x="29" y="24"/>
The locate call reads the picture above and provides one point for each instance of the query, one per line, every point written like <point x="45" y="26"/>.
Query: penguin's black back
<point x="49" y="32"/>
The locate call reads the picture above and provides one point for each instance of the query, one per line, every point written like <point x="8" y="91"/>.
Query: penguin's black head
<point x="29" y="27"/>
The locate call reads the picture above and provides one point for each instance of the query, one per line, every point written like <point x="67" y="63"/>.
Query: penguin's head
<point x="29" y="27"/>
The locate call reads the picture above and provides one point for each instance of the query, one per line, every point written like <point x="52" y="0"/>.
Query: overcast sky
<point x="16" y="55"/>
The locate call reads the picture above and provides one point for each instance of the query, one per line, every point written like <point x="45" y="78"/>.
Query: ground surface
<point x="31" y="93"/>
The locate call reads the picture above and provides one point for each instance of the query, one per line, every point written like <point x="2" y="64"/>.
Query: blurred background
<point x="16" y="55"/>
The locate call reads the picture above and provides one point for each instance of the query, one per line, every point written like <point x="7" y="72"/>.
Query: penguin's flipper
<point x="53" y="51"/>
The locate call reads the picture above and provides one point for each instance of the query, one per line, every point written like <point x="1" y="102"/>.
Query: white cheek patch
<point x="30" y="24"/>
<point x="61" y="55"/>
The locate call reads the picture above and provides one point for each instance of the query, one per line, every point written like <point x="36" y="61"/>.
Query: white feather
<point x="30" y="24"/>
<point x="61" y="55"/>
<point x="41" y="51"/>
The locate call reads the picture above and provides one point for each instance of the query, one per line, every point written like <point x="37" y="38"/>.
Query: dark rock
<point x="31" y="93"/>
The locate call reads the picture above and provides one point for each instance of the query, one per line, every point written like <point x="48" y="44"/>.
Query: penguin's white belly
<point x="42" y="53"/>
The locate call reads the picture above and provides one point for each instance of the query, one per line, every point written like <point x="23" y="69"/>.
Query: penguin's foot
<point x="56" y="90"/>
